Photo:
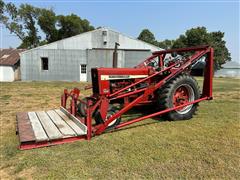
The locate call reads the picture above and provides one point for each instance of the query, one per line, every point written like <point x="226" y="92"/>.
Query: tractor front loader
<point x="163" y="81"/>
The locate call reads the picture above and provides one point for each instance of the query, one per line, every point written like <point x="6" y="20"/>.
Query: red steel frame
<point x="102" y="101"/>
<point x="32" y="145"/>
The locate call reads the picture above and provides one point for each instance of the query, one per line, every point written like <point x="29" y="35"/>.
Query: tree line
<point x="194" y="37"/>
<point x="28" y="22"/>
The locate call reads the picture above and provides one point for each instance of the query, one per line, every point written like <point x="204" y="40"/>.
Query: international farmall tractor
<point x="163" y="80"/>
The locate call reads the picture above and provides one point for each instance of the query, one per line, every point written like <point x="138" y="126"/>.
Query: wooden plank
<point x="50" y="128"/>
<point x="70" y="122"/>
<point x="24" y="128"/>
<point x="80" y="124"/>
<point x="61" y="124"/>
<point x="37" y="127"/>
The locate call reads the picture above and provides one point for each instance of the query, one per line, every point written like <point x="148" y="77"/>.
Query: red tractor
<point x="163" y="80"/>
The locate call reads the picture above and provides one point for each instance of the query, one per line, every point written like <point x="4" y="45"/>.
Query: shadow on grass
<point x="140" y="111"/>
<point x="131" y="127"/>
<point x="135" y="113"/>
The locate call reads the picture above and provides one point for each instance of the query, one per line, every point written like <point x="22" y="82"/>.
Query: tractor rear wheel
<point x="180" y="90"/>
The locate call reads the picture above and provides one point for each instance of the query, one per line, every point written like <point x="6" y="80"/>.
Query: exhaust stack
<point x="115" y="55"/>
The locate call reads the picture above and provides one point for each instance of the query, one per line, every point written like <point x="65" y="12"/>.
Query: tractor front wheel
<point x="180" y="90"/>
<point x="110" y="112"/>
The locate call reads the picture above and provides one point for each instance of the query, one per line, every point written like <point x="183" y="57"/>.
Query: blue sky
<point x="166" y="19"/>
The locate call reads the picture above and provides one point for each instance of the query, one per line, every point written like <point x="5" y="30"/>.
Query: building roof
<point x="231" y="65"/>
<point x="55" y="44"/>
<point x="10" y="56"/>
<point x="107" y="28"/>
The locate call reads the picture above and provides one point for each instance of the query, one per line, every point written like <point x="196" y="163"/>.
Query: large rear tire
<point x="178" y="91"/>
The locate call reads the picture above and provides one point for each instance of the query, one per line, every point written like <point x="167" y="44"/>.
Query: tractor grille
<point x="95" y="84"/>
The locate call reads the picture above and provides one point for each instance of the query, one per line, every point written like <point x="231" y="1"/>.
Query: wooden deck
<point x="47" y="126"/>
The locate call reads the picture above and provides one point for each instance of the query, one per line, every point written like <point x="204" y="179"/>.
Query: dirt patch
<point x="4" y="174"/>
<point x="27" y="173"/>
<point x="24" y="174"/>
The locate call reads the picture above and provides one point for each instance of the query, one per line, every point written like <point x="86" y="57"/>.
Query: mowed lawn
<point x="206" y="147"/>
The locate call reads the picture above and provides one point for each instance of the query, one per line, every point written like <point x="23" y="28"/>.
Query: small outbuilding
<point x="230" y="69"/>
<point x="10" y="64"/>
<point x="71" y="59"/>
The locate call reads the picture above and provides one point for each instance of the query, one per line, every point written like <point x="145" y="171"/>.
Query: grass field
<point x="206" y="147"/>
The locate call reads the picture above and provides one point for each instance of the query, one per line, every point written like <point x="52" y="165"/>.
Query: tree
<point x="221" y="53"/>
<point x="166" y="44"/>
<point x="47" y="21"/>
<point x="60" y="27"/>
<point x="147" y="36"/>
<point x="72" y="25"/>
<point x="24" y="21"/>
<point x="199" y="36"/>
<point x="2" y="5"/>
<point x="29" y="16"/>
<point x="21" y="21"/>
<point x="194" y="37"/>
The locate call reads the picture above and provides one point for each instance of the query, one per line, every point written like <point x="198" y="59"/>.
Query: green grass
<point x="206" y="147"/>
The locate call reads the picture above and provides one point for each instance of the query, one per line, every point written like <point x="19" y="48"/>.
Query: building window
<point x="83" y="68"/>
<point x="44" y="63"/>
<point x="104" y="33"/>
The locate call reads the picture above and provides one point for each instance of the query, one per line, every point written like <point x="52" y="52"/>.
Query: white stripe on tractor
<point x="115" y="77"/>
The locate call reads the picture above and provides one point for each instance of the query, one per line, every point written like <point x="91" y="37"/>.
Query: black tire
<point x="182" y="89"/>
<point x="111" y="111"/>
<point x="81" y="107"/>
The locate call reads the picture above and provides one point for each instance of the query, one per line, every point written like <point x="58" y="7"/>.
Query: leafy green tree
<point x="29" y="17"/>
<point x="166" y="44"/>
<point x="47" y="21"/>
<point x="199" y="36"/>
<point x="221" y="53"/>
<point x="147" y="36"/>
<point x="71" y="25"/>
<point x="21" y="21"/>
<point x="24" y="21"/>
<point x="194" y="37"/>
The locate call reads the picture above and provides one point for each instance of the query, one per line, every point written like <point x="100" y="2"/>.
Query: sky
<point x="165" y="19"/>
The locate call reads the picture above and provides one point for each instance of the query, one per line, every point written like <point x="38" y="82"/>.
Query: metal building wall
<point x="64" y="65"/>
<point x="133" y="58"/>
<point x="6" y="73"/>
<point x="104" y="58"/>
<point x="98" y="58"/>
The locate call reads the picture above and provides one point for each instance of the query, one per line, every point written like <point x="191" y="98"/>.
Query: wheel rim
<point x="109" y="116"/>
<point x="182" y="95"/>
